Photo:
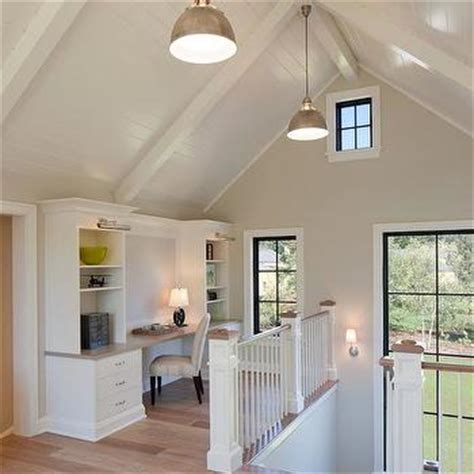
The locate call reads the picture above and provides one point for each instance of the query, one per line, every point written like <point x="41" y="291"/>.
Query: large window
<point x="274" y="279"/>
<point x="429" y="297"/>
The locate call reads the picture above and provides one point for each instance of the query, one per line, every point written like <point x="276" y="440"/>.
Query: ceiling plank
<point x="161" y="150"/>
<point x="43" y="33"/>
<point x="383" y="30"/>
<point x="335" y="44"/>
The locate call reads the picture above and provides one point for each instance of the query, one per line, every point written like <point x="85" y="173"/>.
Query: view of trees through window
<point x="429" y="297"/>
<point x="274" y="280"/>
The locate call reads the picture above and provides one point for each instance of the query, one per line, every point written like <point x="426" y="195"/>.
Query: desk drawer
<point x="119" y="363"/>
<point x="123" y="401"/>
<point x="120" y="381"/>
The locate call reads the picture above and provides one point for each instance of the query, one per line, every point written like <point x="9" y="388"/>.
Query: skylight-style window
<point x="354" y="124"/>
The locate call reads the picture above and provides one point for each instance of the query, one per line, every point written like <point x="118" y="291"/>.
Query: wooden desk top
<point x="136" y="342"/>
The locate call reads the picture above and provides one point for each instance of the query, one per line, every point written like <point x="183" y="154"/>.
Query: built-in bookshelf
<point x="217" y="297"/>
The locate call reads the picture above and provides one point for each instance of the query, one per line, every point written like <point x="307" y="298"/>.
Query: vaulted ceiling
<point x="93" y="104"/>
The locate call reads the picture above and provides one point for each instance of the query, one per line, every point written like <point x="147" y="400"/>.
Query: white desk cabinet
<point x="90" y="398"/>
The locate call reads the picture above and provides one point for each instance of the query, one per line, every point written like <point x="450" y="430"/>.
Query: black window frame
<point x="255" y="274"/>
<point x="339" y="128"/>
<point x="437" y="294"/>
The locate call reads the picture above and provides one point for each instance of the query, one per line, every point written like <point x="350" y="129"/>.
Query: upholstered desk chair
<point x="182" y="366"/>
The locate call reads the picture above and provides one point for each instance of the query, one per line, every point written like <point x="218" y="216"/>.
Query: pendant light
<point x="202" y="35"/>
<point x="308" y="123"/>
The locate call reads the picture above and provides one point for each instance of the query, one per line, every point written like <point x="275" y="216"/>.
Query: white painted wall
<point x="424" y="173"/>
<point x="311" y="445"/>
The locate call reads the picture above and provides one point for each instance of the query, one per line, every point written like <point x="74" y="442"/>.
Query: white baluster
<point x="389" y="421"/>
<point x="460" y="433"/>
<point x="258" y="389"/>
<point x="247" y="399"/>
<point x="241" y="415"/>
<point x="439" y="422"/>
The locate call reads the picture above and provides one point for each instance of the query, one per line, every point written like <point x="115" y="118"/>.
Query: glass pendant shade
<point x="307" y="124"/>
<point x="202" y="35"/>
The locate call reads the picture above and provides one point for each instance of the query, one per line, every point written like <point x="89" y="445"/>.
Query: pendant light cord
<point x="306" y="14"/>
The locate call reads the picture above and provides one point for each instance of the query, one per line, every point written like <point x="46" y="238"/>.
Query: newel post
<point x="292" y="345"/>
<point x="225" y="453"/>
<point x="408" y="408"/>
<point x="330" y="307"/>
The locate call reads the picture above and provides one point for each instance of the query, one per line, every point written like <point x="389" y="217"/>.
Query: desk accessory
<point x="178" y="299"/>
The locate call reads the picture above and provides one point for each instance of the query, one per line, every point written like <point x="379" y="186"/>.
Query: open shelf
<point x="210" y="288"/>
<point x="100" y="266"/>
<point x="100" y="288"/>
<point x="220" y="300"/>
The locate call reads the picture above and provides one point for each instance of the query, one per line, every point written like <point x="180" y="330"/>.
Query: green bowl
<point x="92" y="255"/>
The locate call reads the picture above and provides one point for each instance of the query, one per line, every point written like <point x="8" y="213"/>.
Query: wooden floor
<point x="174" y="438"/>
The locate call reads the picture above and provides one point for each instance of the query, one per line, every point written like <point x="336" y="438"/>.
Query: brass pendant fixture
<point x="308" y="123"/>
<point x="202" y="35"/>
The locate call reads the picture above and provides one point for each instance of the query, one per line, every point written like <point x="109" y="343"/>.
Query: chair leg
<point x="159" y="385"/>
<point x="201" y="385"/>
<point x="198" y="388"/>
<point x="152" y="389"/>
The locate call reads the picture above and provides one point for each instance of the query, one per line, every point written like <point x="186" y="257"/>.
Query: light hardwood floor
<point x="173" y="438"/>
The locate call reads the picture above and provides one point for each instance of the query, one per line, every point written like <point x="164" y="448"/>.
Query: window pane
<point x="267" y="286"/>
<point x="285" y="307"/>
<point x="456" y="325"/>
<point x="412" y="263"/>
<point x="347" y="139"/>
<point x="267" y="255"/>
<point x="456" y="263"/>
<point x="287" y="286"/>
<point x="363" y="114"/>
<point x="347" y="116"/>
<point x="429" y="437"/>
<point x="413" y="317"/>
<point x="268" y="316"/>
<point x="287" y="255"/>
<point x="363" y="137"/>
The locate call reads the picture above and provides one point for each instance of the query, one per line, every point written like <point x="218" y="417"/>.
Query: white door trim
<point x="249" y="235"/>
<point x="378" y="231"/>
<point x="25" y="317"/>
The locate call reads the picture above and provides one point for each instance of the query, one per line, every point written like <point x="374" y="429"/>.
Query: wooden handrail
<point x="317" y="315"/>
<point x="264" y="334"/>
<point x="441" y="366"/>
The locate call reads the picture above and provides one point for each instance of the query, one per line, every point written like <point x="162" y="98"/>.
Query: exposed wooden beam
<point x="385" y="31"/>
<point x="334" y="43"/>
<point x="162" y="149"/>
<point x="43" y="33"/>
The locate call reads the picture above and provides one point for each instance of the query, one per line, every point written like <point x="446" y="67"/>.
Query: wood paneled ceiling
<point x="94" y="105"/>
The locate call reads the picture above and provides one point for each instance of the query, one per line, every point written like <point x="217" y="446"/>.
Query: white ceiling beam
<point x="385" y="31"/>
<point x="42" y="35"/>
<point x="164" y="146"/>
<point x="335" y="44"/>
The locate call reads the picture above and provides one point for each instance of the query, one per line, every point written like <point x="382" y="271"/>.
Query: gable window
<point x="353" y="119"/>
<point x="354" y="124"/>
<point x="274" y="280"/>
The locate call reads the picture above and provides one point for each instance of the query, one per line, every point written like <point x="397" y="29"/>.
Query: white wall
<point x="311" y="446"/>
<point x="424" y="174"/>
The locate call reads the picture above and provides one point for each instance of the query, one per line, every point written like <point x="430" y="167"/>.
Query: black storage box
<point x="94" y="330"/>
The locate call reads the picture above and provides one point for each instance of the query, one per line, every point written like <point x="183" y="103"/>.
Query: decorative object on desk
<point x="209" y="251"/>
<point x="94" y="330"/>
<point x="95" y="281"/>
<point x="92" y="255"/>
<point x="156" y="329"/>
<point x="211" y="277"/>
<point x="111" y="225"/>
<point x="211" y="295"/>
<point x="178" y="299"/>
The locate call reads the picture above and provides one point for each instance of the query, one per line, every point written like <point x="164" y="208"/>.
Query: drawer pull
<point x="118" y="384"/>
<point x="118" y="404"/>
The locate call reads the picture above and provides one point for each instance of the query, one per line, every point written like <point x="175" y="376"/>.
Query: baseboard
<point x="7" y="432"/>
<point x="96" y="431"/>
<point x="43" y="425"/>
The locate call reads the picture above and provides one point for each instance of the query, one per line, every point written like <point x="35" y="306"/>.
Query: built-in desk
<point x="100" y="391"/>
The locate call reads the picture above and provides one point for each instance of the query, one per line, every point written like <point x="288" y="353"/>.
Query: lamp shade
<point x="351" y="336"/>
<point x="179" y="297"/>
<point x="307" y="124"/>
<point x="202" y="35"/>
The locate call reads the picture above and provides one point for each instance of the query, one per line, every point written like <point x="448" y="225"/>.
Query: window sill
<point x="353" y="155"/>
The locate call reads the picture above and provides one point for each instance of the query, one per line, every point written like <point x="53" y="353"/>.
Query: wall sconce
<point x="351" y="338"/>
